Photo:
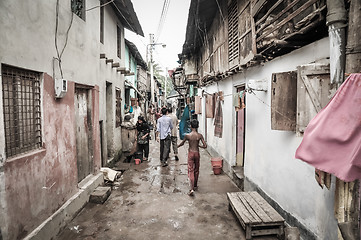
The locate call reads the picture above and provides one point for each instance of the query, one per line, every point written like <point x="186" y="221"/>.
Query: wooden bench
<point x="256" y="216"/>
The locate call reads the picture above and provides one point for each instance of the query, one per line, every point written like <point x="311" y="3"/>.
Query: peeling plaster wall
<point x="41" y="181"/>
<point x="269" y="154"/>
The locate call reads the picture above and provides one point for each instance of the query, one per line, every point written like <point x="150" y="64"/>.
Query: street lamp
<point x="151" y="46"/>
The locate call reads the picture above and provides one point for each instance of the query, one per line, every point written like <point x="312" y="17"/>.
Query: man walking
<point x="174" y="132"/>
<point x="164" y="129"/>
<point x="193" y="139"/>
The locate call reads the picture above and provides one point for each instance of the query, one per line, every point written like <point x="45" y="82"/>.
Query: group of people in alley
<point x="166" y="125"/>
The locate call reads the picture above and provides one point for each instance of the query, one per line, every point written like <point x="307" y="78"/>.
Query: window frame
<point x="119" y="42"/>
<point x="79" y="12"/>
<point x="22" y="110"/>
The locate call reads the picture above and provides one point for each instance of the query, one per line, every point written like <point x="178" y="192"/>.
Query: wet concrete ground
<point x="151" y="202"/>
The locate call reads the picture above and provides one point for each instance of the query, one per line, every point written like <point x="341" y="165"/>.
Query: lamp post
<point x="151" y="46"/>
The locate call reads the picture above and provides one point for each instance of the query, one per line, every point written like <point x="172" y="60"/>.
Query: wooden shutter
<point x="284" y="101"/>
<point x="314" y="91"/>
<point x="233" y="43"/>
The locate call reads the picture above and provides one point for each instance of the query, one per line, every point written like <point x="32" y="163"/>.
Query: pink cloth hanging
<point x="332" y="140"/>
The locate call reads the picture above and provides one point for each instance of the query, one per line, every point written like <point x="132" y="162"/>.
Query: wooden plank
<point x="242" y="219"/>
<point x="292" y="15"/>
<point x="254" y="217"/>
<point x="284" y="101"/>
<point x="269" y="11"/>
<point x="313" y="96"/>
<point x="262" y="232"/>
<point x="244" y="216"/>
<point x="268" y="209"/>
<point x="257" y="207"/>
<point x="257" y="6"/>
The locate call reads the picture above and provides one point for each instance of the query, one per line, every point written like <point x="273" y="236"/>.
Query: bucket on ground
<point x="137" y="161"/>
<point x="217" y="161"/>
<point x="217" y="170"/>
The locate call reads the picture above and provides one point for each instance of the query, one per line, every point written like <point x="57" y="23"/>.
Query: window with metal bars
<point x="233" y="43"/>
<point x="22" y="115"/>
<point x="78" y="7"/>
<point x="119" y="41"/>
<point x="118" y="107"/>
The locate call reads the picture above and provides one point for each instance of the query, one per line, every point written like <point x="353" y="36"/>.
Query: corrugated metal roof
<point x="127" y="16"/>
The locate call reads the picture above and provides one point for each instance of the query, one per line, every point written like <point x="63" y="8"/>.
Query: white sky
<point x="173" y="33"/>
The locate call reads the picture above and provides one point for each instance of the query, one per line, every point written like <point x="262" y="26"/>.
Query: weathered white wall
<point x="27" y="41"/>
<point x="109" y="74"/>
<point x="269" y="154"/>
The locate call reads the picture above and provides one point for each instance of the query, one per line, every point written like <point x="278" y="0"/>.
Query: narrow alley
<point x="268" y="88"/>
<point x="151" y="202"/>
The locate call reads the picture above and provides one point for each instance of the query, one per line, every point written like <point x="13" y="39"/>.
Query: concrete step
<point x="100" y="195"/>
<point x="238" y="177"/>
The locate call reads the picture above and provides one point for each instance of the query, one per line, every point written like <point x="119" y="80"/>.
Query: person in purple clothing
<point x="163" y="134"/>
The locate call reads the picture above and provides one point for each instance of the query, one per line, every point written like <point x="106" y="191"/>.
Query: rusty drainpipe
<point x="336" y="22"/>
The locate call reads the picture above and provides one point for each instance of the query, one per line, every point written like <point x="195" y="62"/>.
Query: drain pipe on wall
<point x="336" y="22"/>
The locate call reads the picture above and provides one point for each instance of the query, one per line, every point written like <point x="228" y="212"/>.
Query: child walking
<point x="193" y="139"/>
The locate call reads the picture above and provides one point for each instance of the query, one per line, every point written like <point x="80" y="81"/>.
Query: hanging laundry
<point x="242" y="97"/>
<point x="331" y="142"/>
<point x="197" y="105"/>
<point x="209" y="106"/>
<point x="184" y="123"/>
<point x="218" y="120"/>
<point x="215" y="95"/>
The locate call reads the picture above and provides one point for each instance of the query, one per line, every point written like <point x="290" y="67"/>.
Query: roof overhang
<point x="134" y="50"/>
<point x="127" y="16"/>
<point x="200" y="18"/>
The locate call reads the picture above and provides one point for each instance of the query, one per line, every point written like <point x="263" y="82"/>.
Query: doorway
<point x="240" y="128"/>
<point x="84" y="134"/>
<point x="109" y="119"/>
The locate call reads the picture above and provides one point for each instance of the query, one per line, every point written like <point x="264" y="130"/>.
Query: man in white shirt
<point x="174" y="132"/>
<point x="163" y="134"/>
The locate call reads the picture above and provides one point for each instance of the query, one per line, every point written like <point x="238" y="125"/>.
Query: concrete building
<point x="61" y="107"/>
<point x="251" y="58"/>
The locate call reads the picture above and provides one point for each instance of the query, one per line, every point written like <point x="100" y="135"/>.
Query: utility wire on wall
<point x="60" y="54"/>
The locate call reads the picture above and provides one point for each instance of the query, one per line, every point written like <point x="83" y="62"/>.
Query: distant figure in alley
<point x="164" y="130"/>
<point x="193" y="139"/>
<point x="174" y="132"/>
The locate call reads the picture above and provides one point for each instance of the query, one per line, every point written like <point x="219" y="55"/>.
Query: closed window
<point x="118" y="108"/>
<point x="119" y="41"/>
<point x="102" y="21"/>
<point x="21" y="107"/>
<point x="233" y="43"/>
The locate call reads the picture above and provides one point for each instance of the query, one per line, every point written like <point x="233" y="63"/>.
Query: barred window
<point x="118" y="108"/>
<point x="78" y="7"/>
<point x="21" y="104"/>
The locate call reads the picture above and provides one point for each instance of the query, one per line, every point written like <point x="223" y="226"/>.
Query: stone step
<point x="238" y="177"/>
<point x="100" y="195"/>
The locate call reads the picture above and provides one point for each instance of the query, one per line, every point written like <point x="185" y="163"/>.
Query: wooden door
<point x="82" y="120"/>
<point x="240" y="133"/>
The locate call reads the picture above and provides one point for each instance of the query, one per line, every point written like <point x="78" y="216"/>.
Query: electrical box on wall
<point x="257" y="85"/>
<point x="61" y="87"/>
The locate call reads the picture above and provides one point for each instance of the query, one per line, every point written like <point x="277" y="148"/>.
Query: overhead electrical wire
<point x="163" y="16"/>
